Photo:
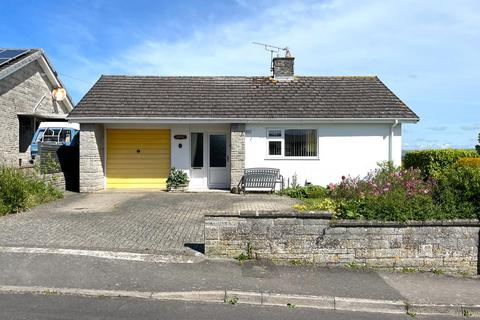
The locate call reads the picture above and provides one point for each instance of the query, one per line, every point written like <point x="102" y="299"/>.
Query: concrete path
<point x="253" y="282"/>
<point x="127" y="221"/>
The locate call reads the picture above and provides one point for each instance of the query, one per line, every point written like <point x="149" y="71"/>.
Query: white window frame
<point x="282" y="141"/>
<point x="275" y="139"/>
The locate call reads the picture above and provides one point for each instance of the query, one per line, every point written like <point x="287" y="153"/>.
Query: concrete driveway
<point x="155" y="222"/>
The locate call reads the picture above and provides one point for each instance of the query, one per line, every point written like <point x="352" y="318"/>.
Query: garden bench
<point x="261" y="179"/>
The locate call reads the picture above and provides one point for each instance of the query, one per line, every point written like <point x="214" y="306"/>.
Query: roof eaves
<point x="54" y="73"/>
<point x="90" y="119"/>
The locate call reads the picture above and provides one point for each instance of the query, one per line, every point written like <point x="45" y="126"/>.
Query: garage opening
<point x="137" y="158"/>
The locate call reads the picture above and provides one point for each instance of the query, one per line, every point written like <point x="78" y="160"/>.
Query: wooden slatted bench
<point x="261" y="179"/>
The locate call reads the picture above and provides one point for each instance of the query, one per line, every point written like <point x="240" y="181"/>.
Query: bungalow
<point x="314" y="129"/>
<point x="30" y="92"/>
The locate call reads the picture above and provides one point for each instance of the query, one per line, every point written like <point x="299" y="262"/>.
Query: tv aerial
<point x="274" y="49"/>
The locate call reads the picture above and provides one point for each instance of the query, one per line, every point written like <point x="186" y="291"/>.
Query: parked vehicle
<point x="59" y="133"/>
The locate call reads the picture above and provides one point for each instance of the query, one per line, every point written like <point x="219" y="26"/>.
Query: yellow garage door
<point x="138" y="158"/>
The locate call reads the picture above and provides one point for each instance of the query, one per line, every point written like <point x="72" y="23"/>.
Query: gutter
<point x="390" y="141"/>
<point x="233" y="120"/>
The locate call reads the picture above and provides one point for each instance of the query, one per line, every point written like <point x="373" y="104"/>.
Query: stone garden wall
<point x="451" y="246"/>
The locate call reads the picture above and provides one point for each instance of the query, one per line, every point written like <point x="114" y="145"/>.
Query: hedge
<point x="471" y="162"/>
<point x="431" y="162"/>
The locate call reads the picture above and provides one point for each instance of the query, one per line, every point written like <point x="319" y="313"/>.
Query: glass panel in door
<point x="218" y="150"/>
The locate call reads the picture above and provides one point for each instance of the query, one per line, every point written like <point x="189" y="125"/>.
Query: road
<point x="42" y="307"/>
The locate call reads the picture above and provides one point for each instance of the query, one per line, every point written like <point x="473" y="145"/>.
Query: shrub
<point x="475" y="162"/>
<point x="176" y="179"/>
<point x="20" y="191"/>
<point x="457" y="191"/>
<point x="310" y="191"/>
<point x="322" y="204"/>
<point x="390" y="206"/>
<point x="393" y="194"/>
<point x="386" y="179"/>
<point x="431" y="162"/>
<point x="387" y="193"/>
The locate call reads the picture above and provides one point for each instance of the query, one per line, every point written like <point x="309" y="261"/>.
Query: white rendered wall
<point x="343" y="149"/>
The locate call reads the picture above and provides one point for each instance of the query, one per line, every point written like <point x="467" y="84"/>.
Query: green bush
<point x="457" y="191"/>
<point x="20" y="191"/>
<point x="475" y="162"/>
<point x="390" y="206"/>
<point x="176" y="179"/>
<point x="310" y="191"/>
<point x="431" y="162"/>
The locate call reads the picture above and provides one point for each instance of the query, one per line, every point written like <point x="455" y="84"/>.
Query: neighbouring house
<point x="28" y="95"/>
<point x="314" y="129"/>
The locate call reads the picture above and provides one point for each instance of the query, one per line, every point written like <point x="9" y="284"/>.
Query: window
<point x="300" y="143"/>
<point x="275" y="133"/>
<point x="275" y="142"/>
<point x="26" y="131"/>
<point x="275" y="148"/>
<point x="65" y="136"/>
<point x="52" y="135"/>
<point x="292" y="143"/>
<point x="197" y="150"/>
<point x="218" y="150"/>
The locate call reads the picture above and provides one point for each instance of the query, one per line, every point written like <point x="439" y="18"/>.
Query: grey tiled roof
<point x="241" y="98"/>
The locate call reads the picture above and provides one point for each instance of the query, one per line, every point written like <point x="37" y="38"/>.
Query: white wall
<point x="343" y="149"/>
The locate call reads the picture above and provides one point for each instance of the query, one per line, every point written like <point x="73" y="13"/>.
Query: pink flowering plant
<point x="387" y="193"/>
<point x="383" y="180"/>
<point x="394" y="194"/>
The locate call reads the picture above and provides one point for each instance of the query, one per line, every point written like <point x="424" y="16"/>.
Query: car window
<point x="51" y="135"/>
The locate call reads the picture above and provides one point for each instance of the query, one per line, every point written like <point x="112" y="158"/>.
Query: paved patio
<point x="127" y="221"/>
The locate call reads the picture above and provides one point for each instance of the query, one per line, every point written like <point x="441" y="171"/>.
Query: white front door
<point x="218" y="160"/>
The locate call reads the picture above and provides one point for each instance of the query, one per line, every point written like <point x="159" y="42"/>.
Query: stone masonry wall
<point x="57" y="179"/>
<point x="448" y="246"/>
<point x="19" y="93"/>
<point x="237" y="153"/>
<point x="92" y="160"/>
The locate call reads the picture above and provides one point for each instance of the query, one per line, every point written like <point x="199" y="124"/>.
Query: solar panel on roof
<point x="6" y="54"/>
<point x="10" y="54"/>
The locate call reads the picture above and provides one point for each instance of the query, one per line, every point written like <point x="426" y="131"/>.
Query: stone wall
<point x="19" y="93"/>
<point x="57" y="179"/>
<point x="237" y="153"/>
<point x="92" y="157"/>
<point x="449" y="246"/>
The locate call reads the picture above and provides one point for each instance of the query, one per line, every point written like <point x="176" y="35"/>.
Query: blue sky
<point x="427" y="52"/>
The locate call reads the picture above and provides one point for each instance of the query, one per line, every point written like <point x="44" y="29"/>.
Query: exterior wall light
<point x="59" y="94"/>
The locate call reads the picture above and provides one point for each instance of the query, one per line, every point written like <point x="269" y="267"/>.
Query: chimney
<point x="283" y="68"/>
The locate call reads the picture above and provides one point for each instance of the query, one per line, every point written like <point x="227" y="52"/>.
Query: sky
<point x="426" y="51"/>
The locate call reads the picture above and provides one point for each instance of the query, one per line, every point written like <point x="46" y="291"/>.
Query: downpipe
<point x="390" y="141"/>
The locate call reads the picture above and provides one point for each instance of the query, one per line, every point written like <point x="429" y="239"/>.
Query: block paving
<point x="147" y="222"/>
